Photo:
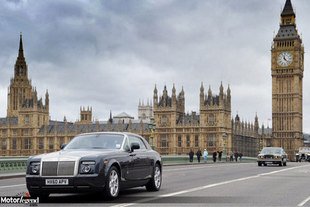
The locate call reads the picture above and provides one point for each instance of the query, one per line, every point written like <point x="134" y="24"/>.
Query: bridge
<point x="212" y="184"/>
<point x="16" y="165"/>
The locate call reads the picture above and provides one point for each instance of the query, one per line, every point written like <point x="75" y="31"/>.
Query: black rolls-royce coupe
<point x="103" y="162"/>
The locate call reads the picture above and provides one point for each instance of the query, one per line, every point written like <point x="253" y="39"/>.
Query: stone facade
<point x="145" y="111"/>
<point x="248" y="138"/>
<point x="177" y="132"/>
<point x="27" y="129"/>
<point x="287" y="67"/>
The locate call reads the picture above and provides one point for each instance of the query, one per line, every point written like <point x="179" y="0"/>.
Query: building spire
<point x="288" y="9"/>
<point x="21" y="50"/>
<point x="110" y="119"/>
<point x="20" y="68"/>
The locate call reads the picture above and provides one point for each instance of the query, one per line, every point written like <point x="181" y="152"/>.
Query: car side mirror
<point x="62" y="146"/>
<point x="134" y="146"/>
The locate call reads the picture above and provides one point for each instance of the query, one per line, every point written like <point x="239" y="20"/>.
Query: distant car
<point x="303" y="154"/>
<point x="272" y="155"/>
<point x="103" y="162"/>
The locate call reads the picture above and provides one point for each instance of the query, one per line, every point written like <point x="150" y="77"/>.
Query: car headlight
<point x="87" y="167"/>
<point x="35" y="168"/>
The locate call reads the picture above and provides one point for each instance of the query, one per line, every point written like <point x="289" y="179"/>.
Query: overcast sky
<point x="110" y="54"/>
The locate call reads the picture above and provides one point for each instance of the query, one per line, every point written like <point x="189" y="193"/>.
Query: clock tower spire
<point x="287" y="67"/>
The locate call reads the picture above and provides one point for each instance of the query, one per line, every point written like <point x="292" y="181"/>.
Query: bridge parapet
<point x="12" y="164"/>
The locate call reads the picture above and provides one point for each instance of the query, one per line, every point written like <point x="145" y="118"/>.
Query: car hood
<point x="66" y="155"/>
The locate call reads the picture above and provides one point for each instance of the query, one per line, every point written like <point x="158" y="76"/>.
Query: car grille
<point x="268" y="156"/>
<point x="58" y="168"/>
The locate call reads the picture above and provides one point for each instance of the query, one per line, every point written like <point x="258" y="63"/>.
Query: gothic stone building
<point x="177" y="132"/>
<point x="27" y="129"/>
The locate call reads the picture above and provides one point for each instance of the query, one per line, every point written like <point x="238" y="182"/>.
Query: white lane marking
<point x="208" y="186"/>
<point x="304" y="202"/>
<point x="11" y="186"/>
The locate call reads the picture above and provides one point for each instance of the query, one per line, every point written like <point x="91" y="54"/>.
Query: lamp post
<point x="152" y="128"/>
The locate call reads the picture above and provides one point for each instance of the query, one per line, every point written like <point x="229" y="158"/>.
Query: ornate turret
<point x="47" y="100"/>
<point x="228" y="92"/>
<point x="155" y="97"/>
<point x="174" y="96"/>
<point x="85" y="115"/>
<point x="209" y="92"/>
<point x="202" y="95"/>
<point x="256" y="124"/>
<point x="221" y="91"/>
<point x="110" y="119"/>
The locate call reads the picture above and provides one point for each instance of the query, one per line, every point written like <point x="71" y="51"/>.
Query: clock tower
<point x="287" y="67"/>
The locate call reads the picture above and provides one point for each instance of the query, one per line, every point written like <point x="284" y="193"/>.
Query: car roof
<point x="116" y="133"/>
<point x="272" y="148"/>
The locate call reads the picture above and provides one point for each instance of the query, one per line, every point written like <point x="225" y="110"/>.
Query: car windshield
<point x="271" y="150"/>
<point x="96" y="141"/>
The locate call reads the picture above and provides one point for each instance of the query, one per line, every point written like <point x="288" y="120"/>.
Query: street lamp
<point x="152" y="126"/>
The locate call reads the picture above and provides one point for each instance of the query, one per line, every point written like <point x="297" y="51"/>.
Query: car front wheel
<point x="155" y="183"/>
<point x="112" y="183"/>
<point x="259" y="163"/>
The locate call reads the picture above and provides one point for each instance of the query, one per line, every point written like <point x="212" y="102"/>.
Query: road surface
<point x="220" y="184"/>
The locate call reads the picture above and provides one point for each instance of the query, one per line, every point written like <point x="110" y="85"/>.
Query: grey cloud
<point x="110" y="54"/>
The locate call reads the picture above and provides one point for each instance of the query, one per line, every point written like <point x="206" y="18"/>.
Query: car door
<point x="128" y="169"/>
<point x="141" y="161"/>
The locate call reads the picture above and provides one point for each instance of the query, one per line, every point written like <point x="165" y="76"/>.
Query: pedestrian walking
<point x="205" y="155"/>
<point x="231" y="158"/>
<point x="214" y="156"/>
<point x="227" y="156"/>
<point x="191" y="155"/>
<point x="220" y="155"/>
<point x="198" y="154"/>
<point x="236" y="156"/>
<point x="240" y="156"/>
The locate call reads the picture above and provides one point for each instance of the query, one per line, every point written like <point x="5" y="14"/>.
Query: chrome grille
<point x="49" y="168"/>
<point x="66" y="168"/>
<point x="54" y="168"/>
<point x="269" y="156"/>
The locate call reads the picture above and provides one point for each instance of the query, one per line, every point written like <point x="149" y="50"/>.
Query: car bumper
<point x="273" y="160"/>
<point x="85" y="183"/>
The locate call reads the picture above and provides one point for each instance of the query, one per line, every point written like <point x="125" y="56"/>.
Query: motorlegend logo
<point x="18" y="200"/>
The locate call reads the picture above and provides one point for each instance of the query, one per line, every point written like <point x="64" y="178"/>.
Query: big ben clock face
<point x="285" y="59"/>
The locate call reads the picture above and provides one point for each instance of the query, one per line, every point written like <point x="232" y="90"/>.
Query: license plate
<point x="56" y="182"/>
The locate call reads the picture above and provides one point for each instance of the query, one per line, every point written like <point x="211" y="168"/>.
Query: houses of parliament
<point x="28" y="130"/>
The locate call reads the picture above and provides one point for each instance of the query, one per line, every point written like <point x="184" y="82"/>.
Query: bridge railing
<point x="12" y="164"/>
<point x="18" y="164"/>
